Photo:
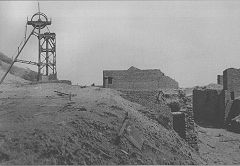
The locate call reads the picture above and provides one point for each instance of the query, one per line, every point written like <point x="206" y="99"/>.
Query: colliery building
<point x="136" y="79"/>
<point x="219" y="106"/>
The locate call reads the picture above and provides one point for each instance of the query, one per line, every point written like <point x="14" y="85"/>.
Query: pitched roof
<point x="132" y="68"/>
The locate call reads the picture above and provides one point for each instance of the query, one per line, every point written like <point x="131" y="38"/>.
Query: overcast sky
<point x="190" y="41"/>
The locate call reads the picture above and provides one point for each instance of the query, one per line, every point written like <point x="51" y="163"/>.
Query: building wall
<point x="208" y="106"/>
<point x="225" y="103"/>
<point x="219" y="106"/>
<point x="179" y="124"/>
<point x="167" y="82"/>
<point x="138" y="80"/>
<point x="191" y="133"/>
<point x="214" y="107"/>
<point x="220" y="79"/>
<point x="231" y="81"/>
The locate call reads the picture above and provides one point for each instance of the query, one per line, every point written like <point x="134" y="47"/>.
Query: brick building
<point x="136" y="79"/>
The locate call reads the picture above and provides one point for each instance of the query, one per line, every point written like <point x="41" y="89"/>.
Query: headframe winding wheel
<point x="39" y="21"/>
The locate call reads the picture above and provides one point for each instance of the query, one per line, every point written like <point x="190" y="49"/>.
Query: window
<point x="110" y="80"/>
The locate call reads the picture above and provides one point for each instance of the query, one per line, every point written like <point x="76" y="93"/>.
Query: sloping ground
<point x="23" y="73"/>
<point x="155" y="108"/>
<point x="5" y="58"/>
<point x="12" y="79"/>
<point x="39" y="127"/>
<point x="159" y="105"/>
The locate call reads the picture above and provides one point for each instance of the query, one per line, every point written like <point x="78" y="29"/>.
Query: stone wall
<point x="179" y="123"/>
<point x="220" y="79"/>
<point x="158" y="110"/>
<point x="228" y="105"/>
<point x="137" y="80"/>
<point x="214" y="107"/>
<point x="191" y="133"/>
<point x="183" y="124"/>
<point x="219" y="107"/>
<point x="231" y="81"/>
<point x="209" y="106"/>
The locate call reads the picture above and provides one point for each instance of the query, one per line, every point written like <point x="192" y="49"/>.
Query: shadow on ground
<point x="207" y="124"/>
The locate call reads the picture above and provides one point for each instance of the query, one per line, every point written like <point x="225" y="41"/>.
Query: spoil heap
<point x="158" y="106"/>
<point x="25" y="74"/>
<point x="155" y="108"/>
<point x="40" y="127"/>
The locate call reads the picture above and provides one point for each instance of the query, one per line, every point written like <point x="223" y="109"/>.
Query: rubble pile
<point x="19" y="72"/>
<point x="162" y="103"/>
<point x="191" y="133"/>
<point x="156" y="108"/>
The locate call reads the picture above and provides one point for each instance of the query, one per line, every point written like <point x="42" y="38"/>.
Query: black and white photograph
<point x="111" y="82"/>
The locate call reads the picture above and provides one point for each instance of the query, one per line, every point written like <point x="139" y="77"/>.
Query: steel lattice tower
<point x="46" y="48"/>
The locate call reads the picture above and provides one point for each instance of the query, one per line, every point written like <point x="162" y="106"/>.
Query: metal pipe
<point x="16" y="57"/>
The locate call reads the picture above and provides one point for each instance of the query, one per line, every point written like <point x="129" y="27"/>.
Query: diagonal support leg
<point x="4" y="76"/>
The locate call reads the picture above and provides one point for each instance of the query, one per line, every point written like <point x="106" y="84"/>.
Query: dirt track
<point x="219" y="146"/>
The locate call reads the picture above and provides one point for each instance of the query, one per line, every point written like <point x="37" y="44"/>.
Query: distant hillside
<point x="23" y="73"/>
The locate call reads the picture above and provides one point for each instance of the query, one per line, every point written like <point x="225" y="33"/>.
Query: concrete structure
<point x="136" y="79"/>
<point x="220" y="79"/>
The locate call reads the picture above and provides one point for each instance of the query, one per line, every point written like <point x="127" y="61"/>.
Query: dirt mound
<point x="23" y="73"/>
<point x="155" y="108"/>
<point x="159" y="106"/>
<point x="12" y="79"/>
<point x="5" y="58"/>
<point x="37" y="126"/>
